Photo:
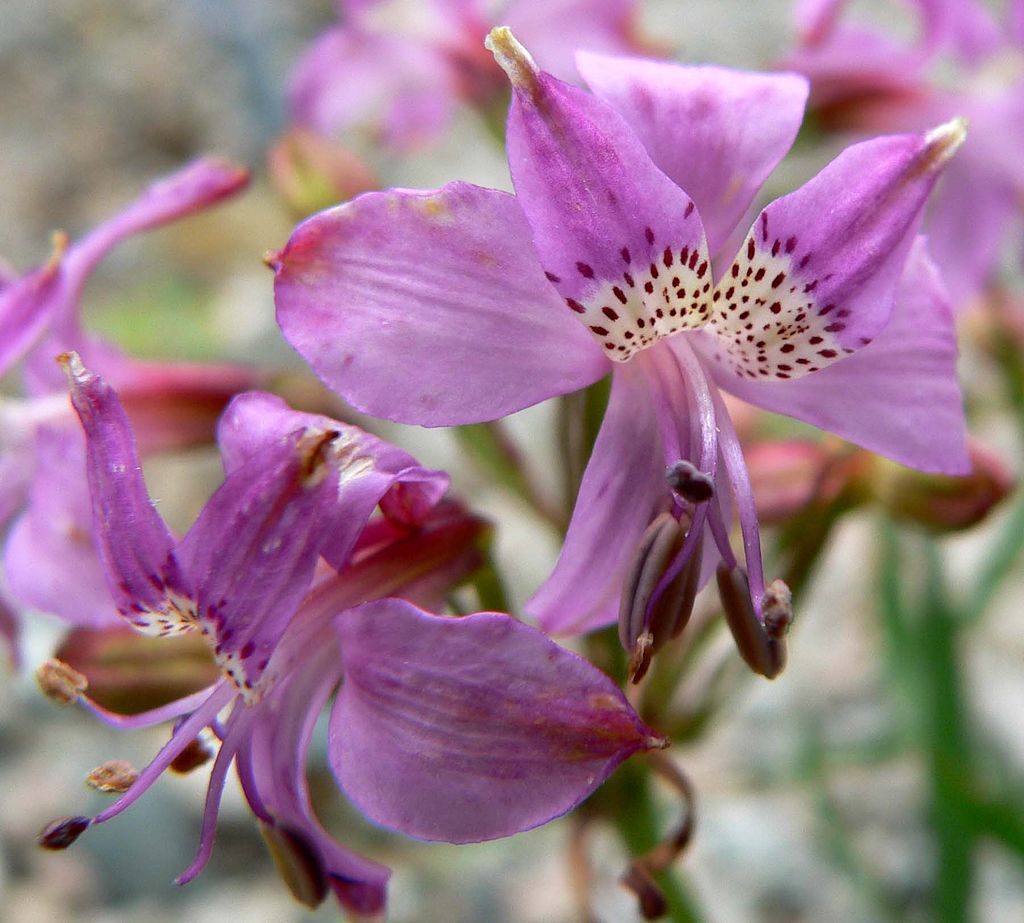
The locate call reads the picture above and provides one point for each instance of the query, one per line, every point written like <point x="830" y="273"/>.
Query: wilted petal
<point x="815" y="279"/>
<point x="430" y="307"/>
<point x="619" y="240"/>
<point x="623" y="489"/>
<point x="134" y="544"/>
<point x="898" y="396"/>
<point x="467" y="729"/>
<point x="716" y="132"/>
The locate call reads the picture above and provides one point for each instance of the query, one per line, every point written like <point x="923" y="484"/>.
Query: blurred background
<point x="833" y="793"/>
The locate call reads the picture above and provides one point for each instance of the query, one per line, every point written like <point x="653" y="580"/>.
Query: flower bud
<point x="942" y="503"/>
<point x="313" y="172"/>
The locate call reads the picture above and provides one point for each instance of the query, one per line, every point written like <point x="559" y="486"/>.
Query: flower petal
<point x="467" y="729"/>
<point x="403" y="90"/>
<point x="134" y="545"/>
<point x="716" y="132"/>
<point x="430" y="307"/>
<point x="898" y="396"/>
<point x="623" y="489"/>
<point x="618" y="239"/>
<point x="816" y="277"/>
<point x="50" y="559"/>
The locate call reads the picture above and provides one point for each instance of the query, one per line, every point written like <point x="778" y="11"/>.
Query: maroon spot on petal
<point x="585" y="270"/>
<point x="790" y="244"/>
<point x="628" y="279"/>
<point x="247" y="650"/>
<point x="759" y="275"/>
<point x="600" y="331"/>
<point x="804" y="261"/>
<point x="814" y="341"/>
<point x="575" y="305"/>
<point x="649" y="234"/>
<point x="609" y="345"/>
<point x="776" y="247"/>
<point x="778" y="280"/>
<point x="667" y="257"/>
<point x="628" y="334"/>
<point x="689" y="210"/>
<point x="764" y="226"/>
<point x="659" y="313"/>
<point x="750" y="249"/>
<point x="619" y="294"/>
<point x="703" y="268"/>
<point x="552" y="277"/>
<point x="835" y="328"/>
<point x="826" y="310"/>
<point x="716" y="296"/>
<point x="735" y="270"/>
<point x="843" y="312"/>
<point x="610" y="313"/>
<point x="787" y="348"/>
<point x="693" y="259"/>
<point x="828" y="353"/>
<point x="684" y="254"/>
<point x="775" y="307"/>
<point x="681" y="293"/>
<point x="654" y="271"/>
<point x="648" y="287"/>
<point x="624" y="253"/>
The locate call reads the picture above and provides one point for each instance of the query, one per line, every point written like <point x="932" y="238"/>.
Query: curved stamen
<point x="237" y="729"/>
<point x="222" y="693"/>
<point x="147" y="718"/>
<point x="736" y="467"/>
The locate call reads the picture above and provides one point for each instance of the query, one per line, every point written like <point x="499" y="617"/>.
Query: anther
<point x="113" y="776"/>
<point x="763" y="650"/>
<point x="62" y="832"/>
<point x="643" y="633"/>
<point x="687" y="480"/>
<point x="777" y="609"/>
<point x="298" y="864"/>
<point x="60" y="682"/>
<point x="196" y="753"/>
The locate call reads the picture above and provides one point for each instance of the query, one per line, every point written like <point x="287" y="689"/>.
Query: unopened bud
<point x="763" y="652"/>
<point x="196" y="753"/>
<point x="114" y="776"/>
<point x="943" y="503"/>
<point x="60" y="682"/>
<point x="62" y="832"/>
<point x="643" y="635"/>
<point x="298" y="864"/>
<point x="692" y="484"/>
<point x="313" y="172"/>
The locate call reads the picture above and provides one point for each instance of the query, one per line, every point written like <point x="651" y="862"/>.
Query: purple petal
<point x="369" y="470"/>
<point x="251" y="553"/>
<point x="28" y="304"/>
<point x="134" y="545"/>
<point x="430" y="308"/>
<point x="618" y="239"/>
<point x="350" y="78"/>
<point x="555" y="29"/>
<point x="50" y="559"/>
<point x="898" y="396"/>
<point x="467" y="729"/>
<point x="716" y="132"/>
<point x="816" y="277"/>
<point x="623" y="489"/>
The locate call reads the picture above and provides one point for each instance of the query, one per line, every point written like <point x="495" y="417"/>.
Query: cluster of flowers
<point x="313" y="571"/>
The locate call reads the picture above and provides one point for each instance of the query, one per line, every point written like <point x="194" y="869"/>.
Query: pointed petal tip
<point x="73" y="367"/>
<point x="513" y="59"/>
<point x="943" y="141"/>
<point x="274" y="259"/>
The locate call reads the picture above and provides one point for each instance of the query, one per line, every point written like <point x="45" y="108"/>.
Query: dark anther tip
<point x="62" y="832"/>
<point x="687" y="480"/>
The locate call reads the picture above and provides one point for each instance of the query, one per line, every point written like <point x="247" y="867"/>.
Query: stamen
<point x="514" y="60"/>
<point x="763" y="652"/>
<point x="297" y="862"/>
<point x="112" y="776"/>
<point x="644" y="628"/>
<point x="197" y="752"/>
<point x="61" y="682"/>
